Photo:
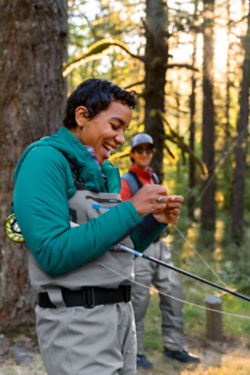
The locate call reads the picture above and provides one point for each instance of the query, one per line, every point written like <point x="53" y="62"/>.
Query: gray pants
<point x="80" y="341"/>
<point x="166" y="281"/>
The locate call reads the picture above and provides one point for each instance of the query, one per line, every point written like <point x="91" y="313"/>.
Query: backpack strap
<point x="133" y="181"/>
<point x="155" y="178"/>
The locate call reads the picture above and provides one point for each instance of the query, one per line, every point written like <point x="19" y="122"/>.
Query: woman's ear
<point x="81" y="113"/>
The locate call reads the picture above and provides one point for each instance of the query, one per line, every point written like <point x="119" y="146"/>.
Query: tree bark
<point x="208" y="122"/>
<point x="192" y="103"/>
<point x="228" y="83"/>
<point x="33" y="45"/>
<point x="241" y="148"/>
<point x="227" y="165"/>
<point x="156" y="58"/>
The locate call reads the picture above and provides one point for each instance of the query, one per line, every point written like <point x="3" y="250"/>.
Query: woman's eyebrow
<point x="118" y="119"/>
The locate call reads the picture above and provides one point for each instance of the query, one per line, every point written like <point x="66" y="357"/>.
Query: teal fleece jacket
<point x="44" y="184"/>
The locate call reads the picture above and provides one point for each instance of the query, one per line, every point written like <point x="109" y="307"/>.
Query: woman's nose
<point x="120" y="137"/>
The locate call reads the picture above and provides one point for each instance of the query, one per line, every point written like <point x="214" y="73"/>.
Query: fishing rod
<point x="152" y="259"/>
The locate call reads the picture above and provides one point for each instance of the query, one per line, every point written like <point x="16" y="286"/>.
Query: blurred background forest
<point x="189" y="63"/>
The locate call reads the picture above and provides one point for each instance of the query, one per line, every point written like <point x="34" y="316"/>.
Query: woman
<point x="67" y="204"/>
<point x="166" y="281"/>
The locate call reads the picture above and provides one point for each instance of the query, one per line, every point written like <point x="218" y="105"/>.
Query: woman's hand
<point x="150" y="199"/>
<point x="171" y="213"/>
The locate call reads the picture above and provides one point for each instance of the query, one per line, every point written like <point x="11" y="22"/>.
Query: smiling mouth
<point x="108" y="149"/>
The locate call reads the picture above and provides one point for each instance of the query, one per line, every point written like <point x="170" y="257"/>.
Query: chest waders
<point x="94" y="333"/>
<point x="91" y="283"/>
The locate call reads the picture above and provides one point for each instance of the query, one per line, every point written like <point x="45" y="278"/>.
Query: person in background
<point x="68" y="207"/>
<point x="165" y="280"/>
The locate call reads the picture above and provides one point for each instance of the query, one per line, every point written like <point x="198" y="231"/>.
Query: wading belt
<point x="88" y="297"/>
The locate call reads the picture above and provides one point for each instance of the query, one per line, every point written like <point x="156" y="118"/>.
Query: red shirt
<point x="145" y="177"/>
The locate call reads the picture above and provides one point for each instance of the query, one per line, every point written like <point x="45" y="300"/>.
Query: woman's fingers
<point x="171" y="213"/>
<point x="175" y="198"/>
<point x="150" y="198"/>
<point x="155" y="199"/>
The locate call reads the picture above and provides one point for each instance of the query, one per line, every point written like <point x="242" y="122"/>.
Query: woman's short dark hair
<point x="96" y="95"/>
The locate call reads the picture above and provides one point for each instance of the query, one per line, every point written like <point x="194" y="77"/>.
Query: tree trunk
<point x="228" y="83"/>
<point x="227" y="167"/>
<point x="156" y="57"/>
<point x="208" y="122"/>
<point x="241" y="148"/>
<point x="191" y="171"/>
<point x="33" y="92"/>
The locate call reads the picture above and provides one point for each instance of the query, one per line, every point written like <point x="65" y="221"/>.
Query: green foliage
<point x="240" y="326"/>
<point x="107" y="20"/>
<point x="152" y="334"/>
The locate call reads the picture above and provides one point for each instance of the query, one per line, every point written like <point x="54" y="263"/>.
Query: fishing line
<point x="218" y="163"/>
<point x="197" y="253"/>
<point x="176" y="298"/>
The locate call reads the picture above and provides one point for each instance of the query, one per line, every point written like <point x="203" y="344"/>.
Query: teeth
<point x="109" y="148"/>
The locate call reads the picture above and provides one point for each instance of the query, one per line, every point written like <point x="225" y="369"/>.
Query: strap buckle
<point x="88" y="297"/>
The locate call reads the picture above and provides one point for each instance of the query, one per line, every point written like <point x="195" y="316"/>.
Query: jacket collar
<point x="64" y="141"/>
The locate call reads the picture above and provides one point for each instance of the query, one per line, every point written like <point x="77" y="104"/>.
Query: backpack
<point x="134" y="182"/>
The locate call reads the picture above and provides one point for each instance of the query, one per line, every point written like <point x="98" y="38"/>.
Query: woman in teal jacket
<point x="67" y="204"/>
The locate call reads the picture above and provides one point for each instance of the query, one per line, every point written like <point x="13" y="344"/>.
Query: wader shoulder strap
<point x="76" y="176"/>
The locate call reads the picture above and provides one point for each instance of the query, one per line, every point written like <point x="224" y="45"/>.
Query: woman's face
<point x="142" y="155"/>
<point x="105" y="131"/>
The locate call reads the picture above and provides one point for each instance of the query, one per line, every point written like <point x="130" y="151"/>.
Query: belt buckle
<point x="88" y="297"/>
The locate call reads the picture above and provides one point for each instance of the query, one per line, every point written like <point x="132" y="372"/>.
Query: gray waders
<point x="95" y="339"/>
<point x="165" y="281"/>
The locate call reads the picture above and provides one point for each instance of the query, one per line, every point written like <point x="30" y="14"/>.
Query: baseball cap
<point x="140" y="138"/>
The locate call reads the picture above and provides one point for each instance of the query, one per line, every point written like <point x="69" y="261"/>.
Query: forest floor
<point x="20" y="356"/>
<point x="226" y="358"/>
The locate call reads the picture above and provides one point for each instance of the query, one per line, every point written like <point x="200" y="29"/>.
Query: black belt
<point x="88" y="297"/>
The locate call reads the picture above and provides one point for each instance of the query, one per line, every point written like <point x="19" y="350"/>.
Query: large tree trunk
<point x="208" y="121"/>
<point x="33" y="44"/>
<point x="156" y="58"/>
<point x="227" y="167"/>
<point x="191" y="171"/>
<point x="241" y="148"/>
<point x="228" y="84"/>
